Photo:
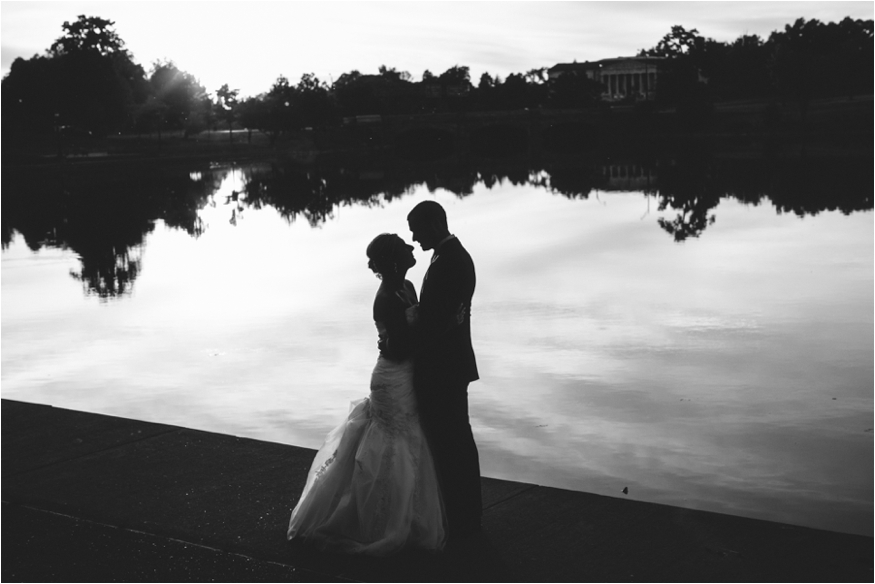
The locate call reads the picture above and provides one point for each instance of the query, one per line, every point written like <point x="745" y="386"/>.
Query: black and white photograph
<point x="437" y="291"/>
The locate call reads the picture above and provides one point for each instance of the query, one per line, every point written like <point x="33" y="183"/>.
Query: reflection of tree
<point x="103" y="217"/>
<point x="806" y="186"/>
<point x="182" y="197"/>
<point x="575" y="182"/>
<point x="7" y="231"/>
<point x="692" y="219"/>
<point x="105" y="224"/>
<point x="692" y="185"/>
<point x="687" y="186"/>
<point x="803" y="185"/>
<point x="104" y="213"/>
<point x="107" y="273"/>
<point x="294" y="191"/>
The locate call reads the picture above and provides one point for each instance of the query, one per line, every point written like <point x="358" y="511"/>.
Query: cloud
<point x="248" y="48"/>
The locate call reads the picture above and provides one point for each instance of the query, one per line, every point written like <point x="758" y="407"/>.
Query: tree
<point x="854" y="55"/>
<point x="272" y="113"/>
<point x="536" y="76"/>
<point x="455" y="85"/>
<point x="513" y="93"/>
<point x="690" y="60"/>
<point x="485" y="95"/>
<point x="811" y="59"/>
<point x="804" y="60"/>
<point x="679" y="41"/>
<point x="30" y="97"/>
<point x="456" y="75"/>
<point x="355" y="95"/>
<point x="394" y="75"/>
<point x="180" y="93"/>
<point x="745" y="73"/>
<point x="101" y="85"/>
<point x="151" y="115"/>
<point x="226" y="104"/>
<point x="573" y="89"/>
<point x="88" y="33"/>
<point x="86" y="79"/>
<point x="203" y="113"/>
<point x="312" y="101"/>
<point x="251" y="113"/>
<point x="281" y="115"/>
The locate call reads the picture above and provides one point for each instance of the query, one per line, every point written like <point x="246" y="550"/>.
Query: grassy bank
<point x="833" y="126"/>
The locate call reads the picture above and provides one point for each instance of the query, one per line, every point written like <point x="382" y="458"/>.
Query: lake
<point x="697" y="330"/>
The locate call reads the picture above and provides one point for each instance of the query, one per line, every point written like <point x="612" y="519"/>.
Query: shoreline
<point x="98" y="497"/>
<point x="831" y="127"/>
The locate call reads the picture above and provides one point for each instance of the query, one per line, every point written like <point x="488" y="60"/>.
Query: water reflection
<point x="104" y="213"/>
<point x="732" y="372"/>
<point x="104" y="216"/>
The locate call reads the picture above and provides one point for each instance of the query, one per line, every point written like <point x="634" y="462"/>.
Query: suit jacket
<point x="444" y="350"/>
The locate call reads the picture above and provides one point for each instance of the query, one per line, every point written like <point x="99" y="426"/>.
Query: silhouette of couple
<point x="402" y="470"/>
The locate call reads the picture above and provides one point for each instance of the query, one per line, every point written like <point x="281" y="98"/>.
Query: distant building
<point x="591" y="70"/>
<point x="625" y="77"/>
<point x="629" y="177"/>
<point x="621" y="77"/>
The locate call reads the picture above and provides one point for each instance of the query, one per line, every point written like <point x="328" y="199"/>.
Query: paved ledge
<point x="88" y="497"/>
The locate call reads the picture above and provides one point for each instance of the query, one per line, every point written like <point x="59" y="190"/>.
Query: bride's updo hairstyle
<point x="382" y="254"/>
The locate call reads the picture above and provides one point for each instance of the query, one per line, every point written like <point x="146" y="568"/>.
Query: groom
<point x="445" y="364"/>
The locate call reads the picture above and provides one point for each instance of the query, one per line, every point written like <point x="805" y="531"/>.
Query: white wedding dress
<point x="372" y="487"/>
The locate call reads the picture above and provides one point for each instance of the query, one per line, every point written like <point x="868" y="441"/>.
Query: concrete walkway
<point x="88" y="497"/>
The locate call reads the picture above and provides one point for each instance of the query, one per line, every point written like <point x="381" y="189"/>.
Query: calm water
<point x="705" y="343"/>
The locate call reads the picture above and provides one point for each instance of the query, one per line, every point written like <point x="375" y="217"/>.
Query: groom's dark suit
<point x="445" y="364"/>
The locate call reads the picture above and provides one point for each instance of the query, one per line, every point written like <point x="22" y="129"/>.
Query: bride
<point x="372" y="487"/>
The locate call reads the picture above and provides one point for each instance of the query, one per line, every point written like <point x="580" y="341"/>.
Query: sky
<point x="249" y="44"/>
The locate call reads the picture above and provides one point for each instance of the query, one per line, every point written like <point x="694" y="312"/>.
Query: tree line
<point x="108" y="232"/>
<point x="88" y="82"/>
<point x="807" y="59"/>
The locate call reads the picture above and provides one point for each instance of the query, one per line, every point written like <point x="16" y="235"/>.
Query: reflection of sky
<point x="732" y="372"/>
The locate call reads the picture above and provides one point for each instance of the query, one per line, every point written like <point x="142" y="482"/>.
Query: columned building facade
<point x="622" y="78"/>
<point x="629" y="77"/>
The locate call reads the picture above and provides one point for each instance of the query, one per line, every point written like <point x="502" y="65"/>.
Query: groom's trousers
<point x="443" y="411"/>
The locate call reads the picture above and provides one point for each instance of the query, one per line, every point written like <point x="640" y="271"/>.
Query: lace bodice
<point x="391" y="316"/>
<point x="393" y="403"/>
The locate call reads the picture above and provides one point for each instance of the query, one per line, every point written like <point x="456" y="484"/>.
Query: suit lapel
<point x="444" y="247"/>
<point x="434" y="258"/>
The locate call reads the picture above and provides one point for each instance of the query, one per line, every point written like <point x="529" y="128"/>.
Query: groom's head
<point x="428" y="224"/>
